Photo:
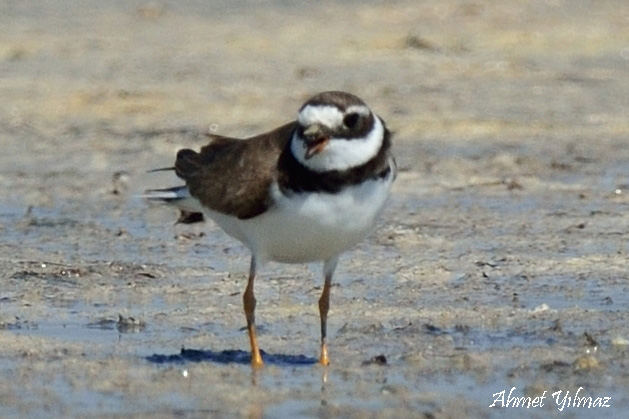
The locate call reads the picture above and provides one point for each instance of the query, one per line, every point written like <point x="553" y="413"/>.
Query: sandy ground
<point x="501" y="261"/>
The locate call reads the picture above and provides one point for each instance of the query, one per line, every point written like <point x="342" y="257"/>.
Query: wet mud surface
<point x="500" y="262"/>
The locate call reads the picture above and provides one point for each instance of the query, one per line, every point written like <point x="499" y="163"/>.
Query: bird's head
<point x="336" y="131"/>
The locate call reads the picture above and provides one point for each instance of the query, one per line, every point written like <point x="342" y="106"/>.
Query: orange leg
<point x="324" y="307"/>
<point x="249" y="301"/>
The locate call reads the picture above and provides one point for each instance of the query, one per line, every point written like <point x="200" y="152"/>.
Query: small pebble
<point x="620" y="341"/>
<point x="586" y="362"/>
<point x="540" y="309"/>
<point x="376" y="360"/>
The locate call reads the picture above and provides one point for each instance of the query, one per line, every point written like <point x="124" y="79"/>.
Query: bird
<point x="304" y="192"/>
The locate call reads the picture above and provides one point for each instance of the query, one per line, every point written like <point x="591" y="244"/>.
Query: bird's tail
<point x="178" y="196"/>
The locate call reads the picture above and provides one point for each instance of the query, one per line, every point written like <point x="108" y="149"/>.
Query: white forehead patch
<point x="359" y="109"/>
<point x="330" y="116"/>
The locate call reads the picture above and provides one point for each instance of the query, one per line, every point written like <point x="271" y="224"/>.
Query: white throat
<point x="341" y="153"/>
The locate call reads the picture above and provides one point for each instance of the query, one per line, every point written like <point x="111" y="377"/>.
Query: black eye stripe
<point x="351" y="119"/>
<point x="360" y="130"/>
<point x="362" y="127"/>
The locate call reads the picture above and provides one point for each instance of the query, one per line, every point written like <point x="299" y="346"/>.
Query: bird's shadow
<point x="229" y="356"/>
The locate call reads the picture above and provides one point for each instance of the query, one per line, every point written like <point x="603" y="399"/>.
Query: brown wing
<point x="233" y="176"/>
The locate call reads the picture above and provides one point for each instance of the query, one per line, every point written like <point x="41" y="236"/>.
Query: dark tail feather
<point x="187" y="217"/>
<point x="161" y="169"/>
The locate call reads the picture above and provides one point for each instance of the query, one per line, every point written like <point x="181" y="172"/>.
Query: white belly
<point x="310" y="227"/>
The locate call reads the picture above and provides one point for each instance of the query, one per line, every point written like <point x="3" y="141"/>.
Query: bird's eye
<point x="350" y="120"/>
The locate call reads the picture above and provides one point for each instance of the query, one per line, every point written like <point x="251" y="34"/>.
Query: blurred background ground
<point x="501" y="261"/>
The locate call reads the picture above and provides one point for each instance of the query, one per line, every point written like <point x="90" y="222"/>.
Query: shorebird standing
<point x="306" y="191"/>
